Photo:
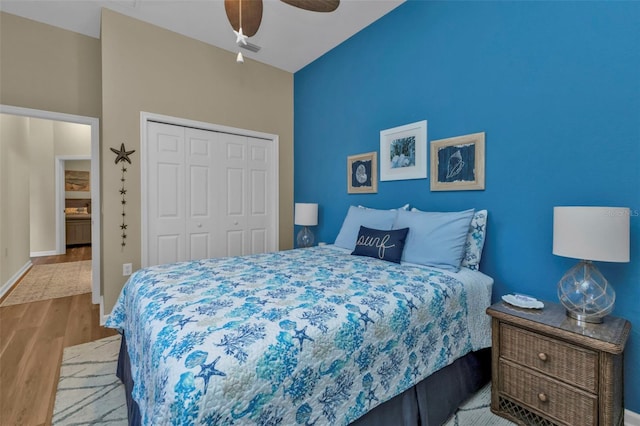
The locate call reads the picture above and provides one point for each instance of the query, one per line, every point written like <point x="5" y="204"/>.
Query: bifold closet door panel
<point x="166" y="205"/>
<point x="201" y="192"/>
<point x="248" y="207"/>
<point x="260" y="200"/>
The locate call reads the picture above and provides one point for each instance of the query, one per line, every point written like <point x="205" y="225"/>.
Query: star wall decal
<point x="240" y="38"/>
<point x="123" y="154"/>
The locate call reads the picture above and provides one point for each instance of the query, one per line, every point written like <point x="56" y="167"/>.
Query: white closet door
<point x="260" y="200"/>
<point x="233" y="206"/>
<point x="166" y="196"/>
<point x="209" y="194"/>
<point x="200" y="193"/>
<point x="248" y="207"/>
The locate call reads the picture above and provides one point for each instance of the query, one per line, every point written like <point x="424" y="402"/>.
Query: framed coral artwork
<point x="403" y="152"/>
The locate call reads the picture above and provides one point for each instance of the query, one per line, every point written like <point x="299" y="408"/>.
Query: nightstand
<point x="549" y="370"/>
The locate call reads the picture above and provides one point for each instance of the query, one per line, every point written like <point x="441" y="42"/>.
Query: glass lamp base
<point x="584" y="318"/>
<point x="305" y="237"/>
<point x="586" y="293"/>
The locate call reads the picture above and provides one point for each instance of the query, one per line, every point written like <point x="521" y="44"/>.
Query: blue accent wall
<point x="556" y="88"/>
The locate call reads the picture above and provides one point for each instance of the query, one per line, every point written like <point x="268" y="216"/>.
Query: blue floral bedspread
<point x="306" y="336"/>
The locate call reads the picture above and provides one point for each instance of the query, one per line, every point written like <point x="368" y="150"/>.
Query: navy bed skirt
<point x="429" y="403"/>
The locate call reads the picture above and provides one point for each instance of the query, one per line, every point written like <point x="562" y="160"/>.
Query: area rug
<point x="52" y="281"/>
<point x="89" y="393"/>
<point x="476" y="412"/>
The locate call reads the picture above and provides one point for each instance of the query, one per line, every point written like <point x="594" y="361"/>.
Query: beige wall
<point x="47" y="68"/>
<point x="146" y="68"/>
<point x="14" y="196"/>
<point x="48" y="139"/>
<point x="42" y="191"/>
<point x="138" y="67"/>
<point x="44" y="140"/>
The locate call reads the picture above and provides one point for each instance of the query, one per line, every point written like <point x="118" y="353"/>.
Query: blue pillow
<point x="357" y="217"/>
<point x="436" y="239"/>
<point x="475" y="240"/>
<point x="383" y="245"/>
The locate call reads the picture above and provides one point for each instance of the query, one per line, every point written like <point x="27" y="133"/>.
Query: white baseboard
<point x="103" y="317"/>
<point x="7" y="286"/>
<point x="631" y="418"/>
<point x="43" y="253"/>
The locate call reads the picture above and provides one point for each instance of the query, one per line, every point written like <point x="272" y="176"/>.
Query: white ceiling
<point x="290" y="38"/>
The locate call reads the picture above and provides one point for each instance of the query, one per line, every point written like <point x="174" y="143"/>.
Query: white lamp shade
<point x="592" y="233"/>
<point x="306" y="214"/>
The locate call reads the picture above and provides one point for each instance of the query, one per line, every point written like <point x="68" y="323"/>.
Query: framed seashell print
<point x="457" y="164"/>
<point x="362" y="173"/>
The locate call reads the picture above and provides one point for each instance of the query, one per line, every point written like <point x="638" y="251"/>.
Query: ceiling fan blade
<point x="314" y="5"/>
<point x="251" y="15"/>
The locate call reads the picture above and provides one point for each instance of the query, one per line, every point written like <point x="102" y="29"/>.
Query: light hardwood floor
<point x="32" y="338"/>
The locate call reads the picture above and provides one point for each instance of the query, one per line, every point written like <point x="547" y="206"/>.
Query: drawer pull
<point x="542" y="397"/>
<point x="543" y="357"/>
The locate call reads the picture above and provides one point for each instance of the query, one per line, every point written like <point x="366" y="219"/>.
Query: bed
<point x="305" y="336"/>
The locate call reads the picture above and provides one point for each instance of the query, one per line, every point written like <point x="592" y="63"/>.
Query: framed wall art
<point x="457" y="164"/>
<point x="403" y="152"/>
<point x="362" y="173"/>
<point x="77" y="180"/>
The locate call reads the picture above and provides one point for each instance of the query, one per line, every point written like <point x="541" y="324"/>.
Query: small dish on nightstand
<point x="522" y="301"/>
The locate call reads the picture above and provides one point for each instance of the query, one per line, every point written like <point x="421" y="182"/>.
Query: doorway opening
<point x="60" y="246"/>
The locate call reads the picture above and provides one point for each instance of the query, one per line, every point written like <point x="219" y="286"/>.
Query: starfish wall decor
<point x="122" y="155"/>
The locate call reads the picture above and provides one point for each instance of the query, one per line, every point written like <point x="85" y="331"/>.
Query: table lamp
<point x="589" y="234"/>
<point x="306" y="215"/>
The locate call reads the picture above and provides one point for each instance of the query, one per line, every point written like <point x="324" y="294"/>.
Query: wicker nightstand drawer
<point x="550" y="356"/>
<point x="549" y="397"/>
<point x="549" y="370"/>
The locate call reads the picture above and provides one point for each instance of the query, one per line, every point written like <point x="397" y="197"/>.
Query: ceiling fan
<point x="252" y="11"/>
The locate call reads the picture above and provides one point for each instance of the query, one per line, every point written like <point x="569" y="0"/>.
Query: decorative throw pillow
<point x="436" y="239"/>
<point x="357" y="217"/>
<point x="384" y="245"/>
<point x="475" y="240"/>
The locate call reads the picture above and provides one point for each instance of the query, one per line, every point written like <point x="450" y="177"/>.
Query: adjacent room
<point x="320" y="212"/>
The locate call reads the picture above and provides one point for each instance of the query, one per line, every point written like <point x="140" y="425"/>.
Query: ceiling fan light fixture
<point x="240" y="58"/>
<point x="247" y="14"/>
